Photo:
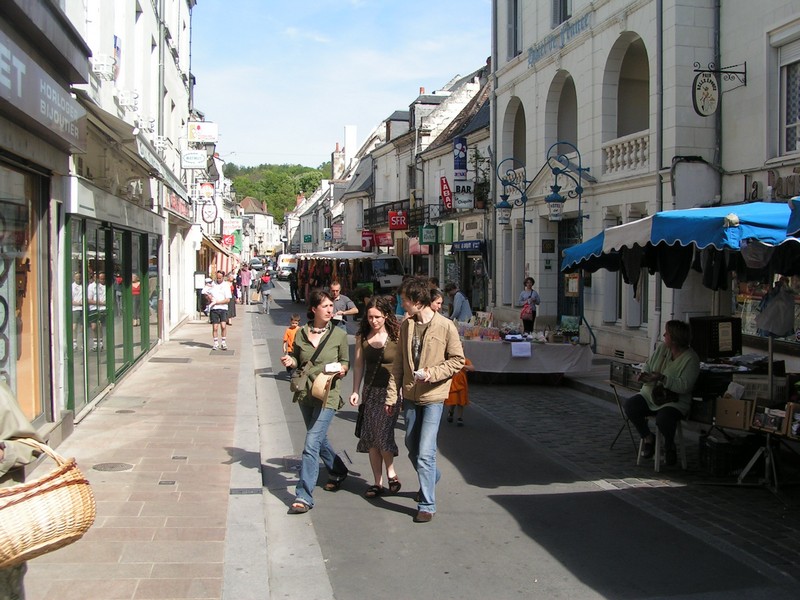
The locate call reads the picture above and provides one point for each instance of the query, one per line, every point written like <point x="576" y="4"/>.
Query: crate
<point x="617" y="374"/>
<point x="632" y="377"/>
<point x="770" y="420"/>
<point x="756" y="387"/>
<point x="723" y="457"/>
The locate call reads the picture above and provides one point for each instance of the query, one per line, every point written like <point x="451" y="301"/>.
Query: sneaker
<point x="224" y="346"/>
<point x="215" y="347"/>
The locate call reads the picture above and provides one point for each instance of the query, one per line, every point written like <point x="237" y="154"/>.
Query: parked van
<point x="286" y="262"/>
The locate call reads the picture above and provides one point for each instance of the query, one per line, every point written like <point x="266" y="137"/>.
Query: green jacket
<point x="335" y="350"/>
<point x="680" y="376"/>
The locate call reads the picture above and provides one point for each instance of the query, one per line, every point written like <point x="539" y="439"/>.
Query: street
<point x="532" y="503"/>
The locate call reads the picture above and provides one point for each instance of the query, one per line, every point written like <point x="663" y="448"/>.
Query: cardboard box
<point x="732" y="413"/>
<point x="793" y="420"/>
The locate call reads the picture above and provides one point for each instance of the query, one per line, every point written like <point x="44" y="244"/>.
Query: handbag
<point x="44" y="514"/>
<point x="299" y="381"/>
<point x="360" y="417"/>
<point x="661" y="395"/>
<point x="526" y="314"/>
<point x="255" y="296"/>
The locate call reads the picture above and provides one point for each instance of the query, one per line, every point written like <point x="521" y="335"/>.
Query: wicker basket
<point x="44" y="514"/>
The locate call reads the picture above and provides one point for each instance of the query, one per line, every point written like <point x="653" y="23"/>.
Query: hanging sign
<point x="367" y="241"/>
<point x="384" y="238"/>
<point x="460" y="159"/>
<point x="464" y="197"/>
<point x="428" y="234"/>
<point x="398" y="220"/>
<point x="447" y="195"/>
<point x="705" y="93"/>
<point x="228" y="240"/>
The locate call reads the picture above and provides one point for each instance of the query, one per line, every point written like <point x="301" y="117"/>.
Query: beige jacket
<point x="442" y="356"/>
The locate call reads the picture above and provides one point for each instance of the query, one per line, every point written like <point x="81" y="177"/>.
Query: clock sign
<point x="209" y="212"/>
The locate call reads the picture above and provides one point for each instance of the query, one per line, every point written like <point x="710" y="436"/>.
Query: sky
<point x="282" y="79"/>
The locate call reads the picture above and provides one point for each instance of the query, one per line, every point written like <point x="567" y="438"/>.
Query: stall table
<point x="495" y="357"/>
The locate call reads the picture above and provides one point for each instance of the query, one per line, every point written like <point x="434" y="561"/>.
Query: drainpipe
<point x="660" y="146"/>
<point x="492" y="249"/>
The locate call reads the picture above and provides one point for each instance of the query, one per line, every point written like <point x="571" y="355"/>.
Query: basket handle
<point x="43" y="448"/>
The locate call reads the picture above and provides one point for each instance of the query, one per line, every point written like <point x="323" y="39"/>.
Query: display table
<point x="495" y="357"/>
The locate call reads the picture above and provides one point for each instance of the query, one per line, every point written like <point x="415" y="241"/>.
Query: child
<point x="459" y="393"/>
<point x="288" y="336"/>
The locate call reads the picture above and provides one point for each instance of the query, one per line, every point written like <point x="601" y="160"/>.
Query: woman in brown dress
<point x="376" y="348"/>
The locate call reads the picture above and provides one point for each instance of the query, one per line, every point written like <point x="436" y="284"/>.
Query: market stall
<point x="539" y="358"/>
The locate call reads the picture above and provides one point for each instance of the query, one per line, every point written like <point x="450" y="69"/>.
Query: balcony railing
<point x="379" y="215"/>
<point x="627" y="154"/>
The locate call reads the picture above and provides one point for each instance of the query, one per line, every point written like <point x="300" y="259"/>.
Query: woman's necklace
<point x="313" y="329"/>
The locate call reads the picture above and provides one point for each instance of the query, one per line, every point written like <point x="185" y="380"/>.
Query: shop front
<point x="114" y="310"/>
<point x="467" y="268"/>
<point x="41" y="125"/>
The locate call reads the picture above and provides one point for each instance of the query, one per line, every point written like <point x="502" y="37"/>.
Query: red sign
<point x="384" y="239"/>
<point x="398" y="219"/>
<point x="367" y="241"/>
<point x="228" y="240"/>
<point x="447" y="195"/>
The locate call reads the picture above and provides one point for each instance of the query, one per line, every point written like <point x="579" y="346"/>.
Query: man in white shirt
<point x="220" y="294"/>
<point x="97" y="310"/>
<point x="77" y="310"/>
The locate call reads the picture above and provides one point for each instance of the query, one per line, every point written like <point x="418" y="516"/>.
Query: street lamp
<point x="560" y="164"/>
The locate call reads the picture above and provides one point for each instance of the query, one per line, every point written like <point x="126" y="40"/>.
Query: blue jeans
<point x="317" y="420"/>
<point x="422" y="429"/>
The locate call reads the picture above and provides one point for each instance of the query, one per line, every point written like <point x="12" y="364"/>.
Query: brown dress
<point x="378" y="428"/>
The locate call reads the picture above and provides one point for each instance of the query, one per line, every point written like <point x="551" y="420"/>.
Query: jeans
<point x="422" y="429"/>
<point x="265" y="301"/>
<point x="317" y="420"/>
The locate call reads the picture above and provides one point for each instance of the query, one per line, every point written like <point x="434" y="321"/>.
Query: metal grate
<point x="171" y="360"/>
<point x="245" y="491"/>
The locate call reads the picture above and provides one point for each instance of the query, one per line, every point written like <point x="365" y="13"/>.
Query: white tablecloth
<point x="495" y="357"/>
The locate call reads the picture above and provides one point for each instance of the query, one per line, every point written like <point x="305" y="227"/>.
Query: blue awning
<point x="467" y="246"/>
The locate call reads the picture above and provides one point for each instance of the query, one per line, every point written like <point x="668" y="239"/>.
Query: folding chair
<point x="625" y="422"/>
<point x="679" y="445"/>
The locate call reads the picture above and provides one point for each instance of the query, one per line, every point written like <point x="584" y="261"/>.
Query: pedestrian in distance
<point x="246" y="277"/>
<point x="265" y="287"/>
<point x="288" y="336"/>
<point x="234" y="295"/>
<point x="342" y="306"/>
<point x="437" y="299"/>
<point x="376" y="350"/>
<point x="461" y="310"/>
<point x="293" y="285"/>
<point x="220" y="297"/>
<point x="529" y="300"/>
<point x="458" y="397"/>
<point x="327" y="346"/>
<point x="669" y="376"/>
<point x="430" y="353"/>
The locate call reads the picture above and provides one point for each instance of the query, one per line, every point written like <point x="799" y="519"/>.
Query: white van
<point x="286" y="262"/>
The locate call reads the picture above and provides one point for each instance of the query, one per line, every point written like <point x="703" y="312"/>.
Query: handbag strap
<point x="320" y="347"/>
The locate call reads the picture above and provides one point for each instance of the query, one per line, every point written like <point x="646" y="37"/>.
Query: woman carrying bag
<point x="265" y="286"/>
<point x="528" y="300"/>
<point x="321" y="352"/>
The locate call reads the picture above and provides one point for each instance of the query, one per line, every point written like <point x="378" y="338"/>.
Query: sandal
<point x="373" y="491"/>
<point x="394" y="484"/>
<point x="333" y="485"/>
<point x="298" y="508"/>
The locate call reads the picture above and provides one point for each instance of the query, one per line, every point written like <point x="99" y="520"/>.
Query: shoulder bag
<point x="299" y="381"/>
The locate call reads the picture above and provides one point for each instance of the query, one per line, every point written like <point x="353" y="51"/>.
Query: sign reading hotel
<point x="203" y="132"/>
<point x="558" y="39"/>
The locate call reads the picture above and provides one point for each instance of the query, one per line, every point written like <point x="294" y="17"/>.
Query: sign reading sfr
<point x="398" y="220"/>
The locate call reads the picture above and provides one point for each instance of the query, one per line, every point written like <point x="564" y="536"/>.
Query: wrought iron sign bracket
<point x="726" y="73"/>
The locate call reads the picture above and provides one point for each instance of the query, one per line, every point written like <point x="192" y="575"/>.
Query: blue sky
<point x="283" y="78"/>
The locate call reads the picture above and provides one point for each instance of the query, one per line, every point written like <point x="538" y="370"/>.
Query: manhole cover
<point x="124" y="411"/>
<point x="112" y="467"/>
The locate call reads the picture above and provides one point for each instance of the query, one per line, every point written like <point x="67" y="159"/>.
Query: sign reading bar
<point x="32" y="92"/>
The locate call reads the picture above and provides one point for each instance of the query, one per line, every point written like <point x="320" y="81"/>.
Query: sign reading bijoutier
<point x="30" y="91"/>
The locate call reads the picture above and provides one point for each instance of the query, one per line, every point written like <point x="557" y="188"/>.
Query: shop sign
<point x="447" y="195"/>
<point x="228" y="240"/>
<point x="384" y="239"/>
<point x="398" y="220"/>
<point x="230" y="225"/>
<point x="203" y="132"/>
<point x="178" y="205"/>
<point x="705" y="95"/>
<point x="327" y="234"/>
<point x="194" y="159"/>
<point x="428" y="234"/>
<point x="367" y="241"/>
<point x="460" y="159"/>
<point x="337" y="231"/>
<point x="206" y="190"/>
<point x="464" y="197"/>
<point x="467" y="246"/>
<point x="307" y="238"/>
<point x="29" y="90"/>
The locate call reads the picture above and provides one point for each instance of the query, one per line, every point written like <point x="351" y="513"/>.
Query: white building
<point x="614" y="79"/>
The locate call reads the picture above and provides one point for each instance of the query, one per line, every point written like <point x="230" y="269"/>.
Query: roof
<point x="250" y="205"/>
<point x="362" y="179"/>
<point x="474" y="116"/>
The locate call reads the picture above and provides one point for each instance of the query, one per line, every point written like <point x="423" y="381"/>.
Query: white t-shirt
<point x="220" y="295"/>
<point x="97" y="296"/>
<point x="77" y="296"/>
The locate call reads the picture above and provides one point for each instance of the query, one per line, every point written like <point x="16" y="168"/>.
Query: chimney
<point x="422" y="91"/>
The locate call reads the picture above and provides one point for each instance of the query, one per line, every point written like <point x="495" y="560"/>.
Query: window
<point x="790" y="97"/>
<point x="562" y="10"/>
<point x="514" y="29"/>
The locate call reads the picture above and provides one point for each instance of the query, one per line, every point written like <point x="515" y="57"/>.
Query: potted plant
<point x="482" y="184"/>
